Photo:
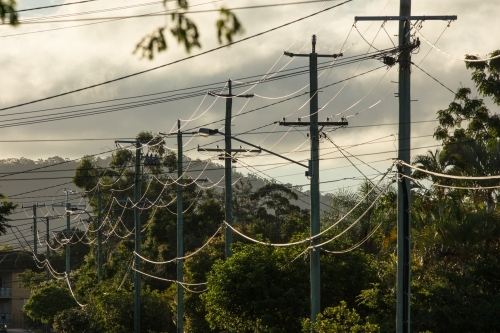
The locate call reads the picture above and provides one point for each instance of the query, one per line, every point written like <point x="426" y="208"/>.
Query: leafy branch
<point x="186" y="32"/>
<point x="7" y="9"/>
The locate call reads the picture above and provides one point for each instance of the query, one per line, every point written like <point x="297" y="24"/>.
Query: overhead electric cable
<point x="174" y="62"/>
<point x="432" y="77"/>
<point x="52" y="6"/>
<point x="123" y="106"/>
<point x="162" y="12"/>
<point x="445" y="175"/>
<point x="477" y="59"/>
<point x="476" y="188"/>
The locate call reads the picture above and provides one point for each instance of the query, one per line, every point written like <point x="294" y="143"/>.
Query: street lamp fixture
<point x="206" y="132"/>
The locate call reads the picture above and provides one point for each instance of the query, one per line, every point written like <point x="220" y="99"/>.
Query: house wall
<point x="6" y="301"/>
<point x="13" y="306"/>
<point x="19" y="295"/>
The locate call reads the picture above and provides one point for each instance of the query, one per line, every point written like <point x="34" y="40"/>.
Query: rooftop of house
<point x="8" y="261"/>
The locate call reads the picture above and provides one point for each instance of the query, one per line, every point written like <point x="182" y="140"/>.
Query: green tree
<point x="266" y="289"/>
<point x="31" y="280"/>
<point x="6" y="209"/>
<point x="470" y="132"/>
<point x="196" y="270"/>
<point x="274" y="216"/>
<point x="362" y="202"/>
<point x="339" y="319"/>
<point x="76" y="320"/>
<point x="256" y="291"/>
<point x="25" y="261"/>
<point x="436" y="162"/>
<point x="46" y="302"/>
<point x="111" y="310"/>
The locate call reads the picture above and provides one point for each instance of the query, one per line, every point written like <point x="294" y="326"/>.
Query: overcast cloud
<point x="43" y="64"/>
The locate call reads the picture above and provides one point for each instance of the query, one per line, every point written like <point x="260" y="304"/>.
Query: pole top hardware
<point x="33" y="205"/>
<point x="406" y="18"/>
<point x="327" y="123"/>
<point x="150" y="160"/>
<point x="211" y="93"/>
<point x="335" y="55"/>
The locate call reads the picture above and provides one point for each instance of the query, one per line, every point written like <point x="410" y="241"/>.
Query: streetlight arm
<point x="267" y="151"/>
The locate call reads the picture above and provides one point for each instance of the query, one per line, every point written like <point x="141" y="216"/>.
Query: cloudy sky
<point x="44" y="59"/>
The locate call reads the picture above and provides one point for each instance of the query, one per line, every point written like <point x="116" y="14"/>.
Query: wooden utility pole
<point x="180" y="224"/>
<point x="228" y="160"/>
<point x="99" y="234"/>
<point x="313" y="172"/>
<point x="35" y="227"/>
<point x="403" y="248"/>
<point x="180" y="234"/>
<point x="137" y="222"/>
<point x="137" y="240"/>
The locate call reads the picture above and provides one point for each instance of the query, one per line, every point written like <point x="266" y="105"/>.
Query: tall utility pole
<point x="137" y="227"/>
<point x="180" y="234"/>
<point x="313" y="173"/>
<point x="228" y="172"/>
<point x="68" y="208"/>
<point x="403" y="250"/>
<point x="228" y="159"/>
<point x="137" y="222"/>
<point x="68" y="246"/>
<point x="35" y="227"/>
<point x="68" y="230"/>
<point x="404" y="135"/>
<point x="35" y="231"/>
<point x="180" y="225"/>
<point x="47" y="253"/>
<point x="99" y="234"/>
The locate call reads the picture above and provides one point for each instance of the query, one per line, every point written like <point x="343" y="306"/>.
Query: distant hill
<point x="27" y="182"/>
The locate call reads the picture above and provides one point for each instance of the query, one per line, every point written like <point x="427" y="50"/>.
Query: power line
<point x="52" y="6"/>
<point x="148" y="102"/>
<point x="126" y="106"/>
<point x="44" y="19"/>
<point x="131" y="138"/>
<point x="432" y="77"/>
<point x="64" y="140"/>
<point x="173" y="62"/>
<point x="211" y="86"/>
<point x="163" y="13"/>
<point x="272" y="104"/>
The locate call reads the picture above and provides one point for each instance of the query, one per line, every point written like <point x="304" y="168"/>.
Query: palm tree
<point x="435" y="162"/>
<point x="477" y="159"/>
